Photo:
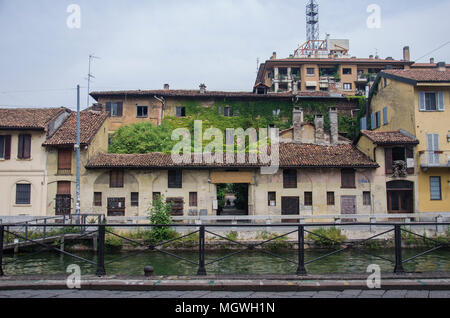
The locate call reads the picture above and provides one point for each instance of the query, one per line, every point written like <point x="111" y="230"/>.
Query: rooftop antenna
<point x="312" y="23"/>
<point x="257" y="65"/>
<point x="91" y="57"/>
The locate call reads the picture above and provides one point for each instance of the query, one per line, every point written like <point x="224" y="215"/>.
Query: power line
<point x="38" y="90"/>
<point x="433" y="51"/>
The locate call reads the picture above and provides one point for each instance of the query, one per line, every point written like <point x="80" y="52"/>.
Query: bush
<point x="326" y="235"/>
<point x="233" y="235"/>
<point x="160" y="214"/>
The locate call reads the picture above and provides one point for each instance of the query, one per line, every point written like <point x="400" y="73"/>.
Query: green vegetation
<point x="329" y="237"/>
<point x="160" y="214"/>
<point x="233" y="235"/>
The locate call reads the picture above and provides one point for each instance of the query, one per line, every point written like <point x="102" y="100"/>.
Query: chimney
<point x="334" y="128"/>
<point x="318" y="124"/>
<point x="202" y="88"/>
<point x="432" y="60"/>
<point x="166" y="87"/>
<point x="441" y="66"/>
<point x="406" y="54"/>
<point x="297" y="119"/>
<point x="371" y="57"/>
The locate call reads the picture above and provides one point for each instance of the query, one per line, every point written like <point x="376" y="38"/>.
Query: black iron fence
<point x="100" y="230"/>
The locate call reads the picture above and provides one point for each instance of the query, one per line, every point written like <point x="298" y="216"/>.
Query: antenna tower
<point x="312" y="23"/>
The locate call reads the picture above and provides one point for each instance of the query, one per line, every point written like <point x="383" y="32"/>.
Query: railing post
<point x="26" y="231"/>
<point x="2" y="228"/>
<point x="101" y="251"/>
<point x="398" y="250"/>
<point x="201" y="252"/>
<point x="301" y="270"/>
<point x="45" y="229"/>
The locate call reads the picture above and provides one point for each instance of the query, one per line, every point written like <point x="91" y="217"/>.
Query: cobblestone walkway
<point x="211" y="294"/>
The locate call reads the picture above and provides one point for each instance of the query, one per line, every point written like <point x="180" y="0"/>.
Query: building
<point x="329" y="69"/>
<point x="417" y="102"/>
<point x="23" y="160"/>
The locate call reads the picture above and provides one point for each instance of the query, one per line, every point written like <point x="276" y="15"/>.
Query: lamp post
<point x="77" y="148"/>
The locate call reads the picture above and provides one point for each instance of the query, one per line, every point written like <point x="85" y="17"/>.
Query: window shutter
<point x="7" y="146"/>
<point x="119" y="109"/>
<point x="65" y="159"/>
<point x="363" y="123"/>
<point x="27" y="147"/>
<point x="108" y="108"/>
<point x="385" y="118"/>
<point x="422" y="101"/>
<point x="372" y="126"/>
<point x="410" y="155"/>
<point x="20" y="147"/>
<point x="441" y="101"/>
<point x="388" y="160"/>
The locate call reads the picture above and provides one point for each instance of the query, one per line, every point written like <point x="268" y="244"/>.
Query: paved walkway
<point x="68" y="293"/>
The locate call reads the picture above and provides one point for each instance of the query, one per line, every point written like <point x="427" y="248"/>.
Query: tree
<point x="160" y="214"/>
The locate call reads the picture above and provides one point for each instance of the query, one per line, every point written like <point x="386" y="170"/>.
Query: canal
<point x="249" y="262"/>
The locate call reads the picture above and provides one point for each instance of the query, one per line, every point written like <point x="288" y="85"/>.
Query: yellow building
<point x="417" y="101"/>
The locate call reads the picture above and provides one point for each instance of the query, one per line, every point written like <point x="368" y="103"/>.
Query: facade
<point x="23" y="175"/>
<point x="417" y="101"/>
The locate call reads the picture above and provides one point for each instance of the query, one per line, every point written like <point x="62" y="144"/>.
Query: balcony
<point x="434" y="159"/>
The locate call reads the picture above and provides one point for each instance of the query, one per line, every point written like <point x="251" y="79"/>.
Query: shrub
<point x="160" y="214"/>
<point x="233" y="235"/>
<point x="326" y="235"/>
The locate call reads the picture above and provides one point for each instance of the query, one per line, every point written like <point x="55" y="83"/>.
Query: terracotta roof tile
<point x="292" y="155"/>
<point x="28" y="118"/>
<point x="421" y="75"/>
<point x="90" y="123"/>
<point x="389" y="137"/>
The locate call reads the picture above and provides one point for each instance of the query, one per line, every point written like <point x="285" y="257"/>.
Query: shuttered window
<point x="385" y="116"/>
<point x="431" y="101"/>
<point x="134" y="198"/>
<point x="23" y="193"/>
<point x="290" y="179"/>
<point x="330" y="198"/>
<point x="175" y="179"/>
<point x="193" y="199"/>
<point x="435" y="188"/>
<point x="64" y="187"/>
<point x="372" y="121"/>
<point x="388" y="160"/>
<point x="308" y="199"/>
<point x="5" y="147"/>
<point x="181" y="111"/>
<point x="115" y="109"/>
<point x="65" y="160"/>
<point x="116" y="179"/>
<point x="177" y="205"/>
<point x="348" y="178"/>
<point x="97" y="199"/>
<point x="272" y="199"/>
<point x="24" y="150"/>
<point x="228" y="111"/>
<point x="367" y="198"/>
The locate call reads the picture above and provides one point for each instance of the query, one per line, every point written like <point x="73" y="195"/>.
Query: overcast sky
<point x="146" y="43"/>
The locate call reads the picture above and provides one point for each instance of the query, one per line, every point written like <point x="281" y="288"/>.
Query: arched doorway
<point x="400" y="197"/>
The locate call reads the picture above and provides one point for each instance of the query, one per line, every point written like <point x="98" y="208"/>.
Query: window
<point x="156" y="195"/>
<point x="348" y="178"/>
<point x="308" y="199"/>
<point x="115" y="109"/>
<point x="228" y="111"/>
<point x="367" y="198"/>
<point x="385" y="116"/>
<point x="435" y="188"/>
<point x="142" y="111"/>
<point x="181" y="111"/>
<point x="272" y="199"/>
<point x="97" y="199"/>
<point x="192" y="199"/>
<point x="110" y="138"/>
<point x="5" y="147"/>
<point x="310" y="71"/>
<point x="330" y="198"/>
<point x="116" y="179"/>
<point x="431" y="101"/>
<point x="290" y="179"/>
<point x="347" y="71"/>
<point x="177" y="205"/>
<point x="348" y="86"/>
<point x="23" y="193"/>
<point x="378" y="120"/>
<point x="175" y="179"/>
<point x="24" y="151"/>
<point x="134" y="198"/>
<point x="64" y="161"/>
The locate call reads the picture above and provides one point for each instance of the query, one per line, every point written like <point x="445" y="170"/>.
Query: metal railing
<point x="102" y="229"/>
<point x="435" y="159"/>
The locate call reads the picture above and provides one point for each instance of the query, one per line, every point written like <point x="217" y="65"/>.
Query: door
<point x="400" y="201"/>
<point x="348" y="207"/>
<point x="116" y="206"/>
<point x="290" y="206"/>
<point x="63" y="200"/>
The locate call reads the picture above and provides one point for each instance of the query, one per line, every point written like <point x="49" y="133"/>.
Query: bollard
<point x="398" y="251"/>
<point x="201" y="252"/>
<point x="301" y="270"/>
<point x="2" y="232"/>
<point x="101" y="251"/>
<point x="148" y="271"/>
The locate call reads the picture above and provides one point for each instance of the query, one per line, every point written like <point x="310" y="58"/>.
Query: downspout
<point x="163" y="105"/>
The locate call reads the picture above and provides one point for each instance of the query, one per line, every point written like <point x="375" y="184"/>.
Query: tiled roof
<point x="427" y="65"/>
<point x="219" y="94"/>
<point x="340" y="60"/>
<point x="389" y="137"/>
<point x="90" y="123"/>
<point x="421" y="75"/>
<point x="292" y="155"/>
<point x="28" y="118"/>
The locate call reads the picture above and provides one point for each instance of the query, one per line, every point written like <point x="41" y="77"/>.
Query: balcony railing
<point x="435" y="159"/>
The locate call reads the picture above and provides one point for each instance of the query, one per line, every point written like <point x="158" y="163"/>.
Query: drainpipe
<point x="163" y="102"/>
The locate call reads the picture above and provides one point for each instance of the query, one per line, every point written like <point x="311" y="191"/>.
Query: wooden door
<point x="348" y="207"/>
<point x="63" y="200"/>
<point x="290" y="206"/>
<point x="116" y="206"/>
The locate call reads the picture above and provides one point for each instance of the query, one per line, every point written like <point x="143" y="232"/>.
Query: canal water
<point x="249" y="262"/>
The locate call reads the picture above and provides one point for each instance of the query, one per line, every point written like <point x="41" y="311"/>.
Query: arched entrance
<point x="400" y="197"/>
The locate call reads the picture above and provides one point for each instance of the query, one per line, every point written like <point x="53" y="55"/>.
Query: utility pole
<point x="77" y="147"/>
<point x="91" y="56"/>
